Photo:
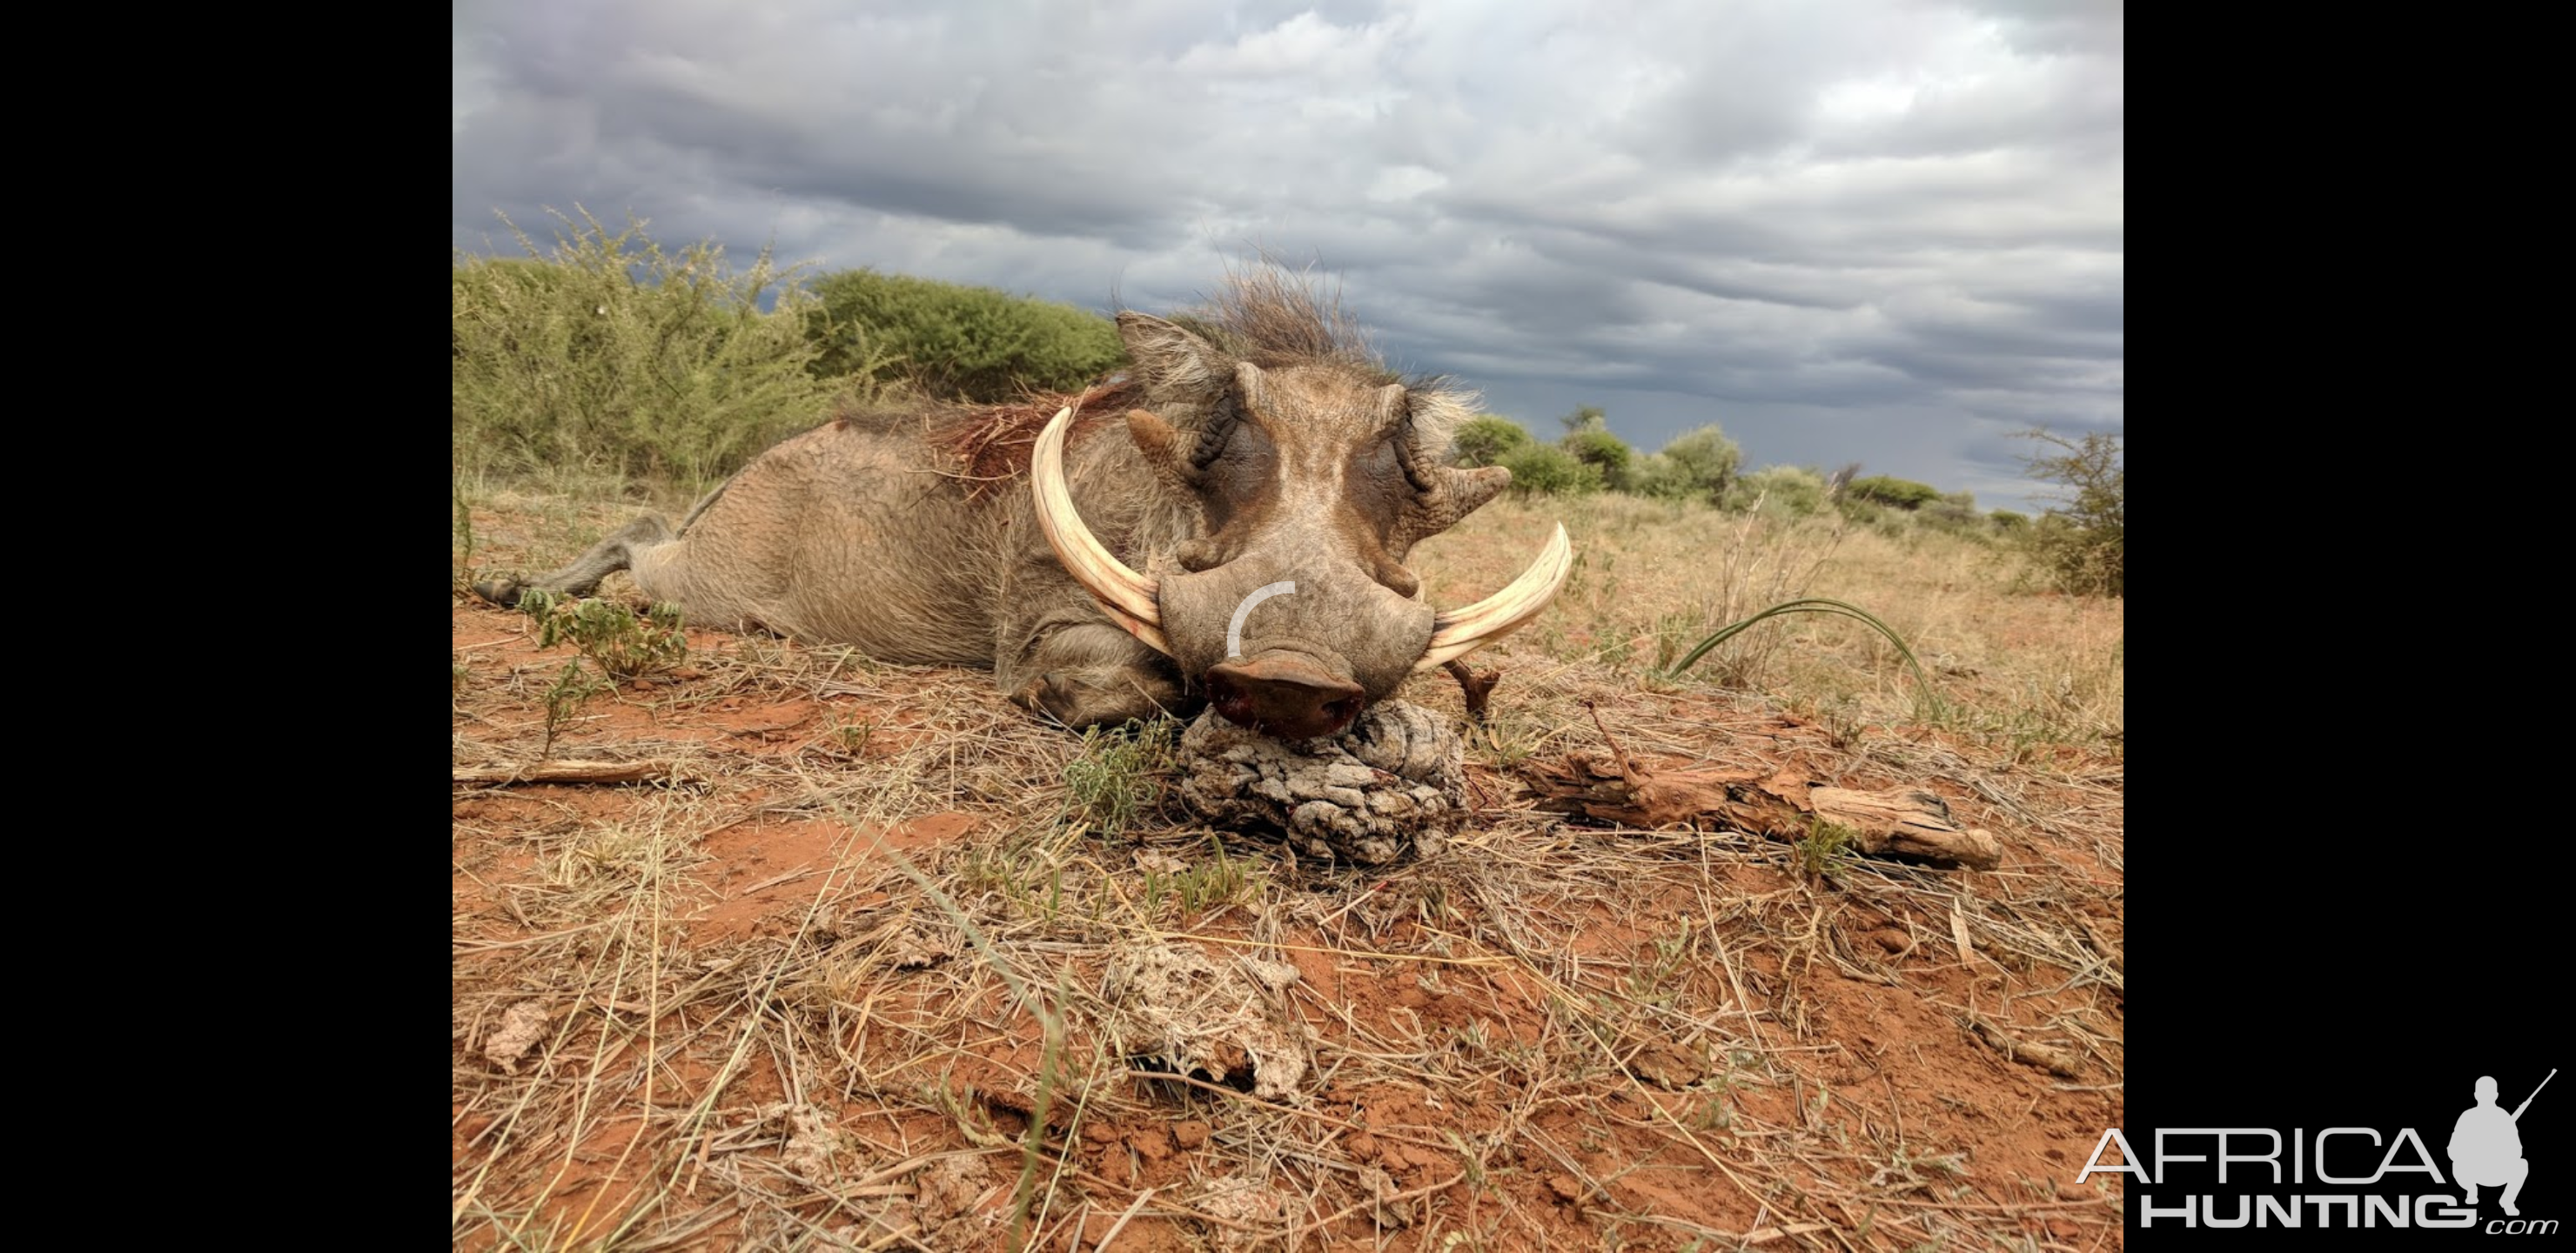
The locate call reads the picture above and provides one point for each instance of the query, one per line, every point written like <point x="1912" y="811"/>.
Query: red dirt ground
<point x="1887" y="1120"/>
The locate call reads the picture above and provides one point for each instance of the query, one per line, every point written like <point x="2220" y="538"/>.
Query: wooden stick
<point x="1476" y="687"/>
<point x="1907" y="821"/>
<point x="573" y="772"/>
<point x="2054" y="1060"/>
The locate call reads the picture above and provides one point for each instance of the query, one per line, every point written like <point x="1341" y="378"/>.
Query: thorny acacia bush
<point x="2083" y="542"/>
<point x="610" y="352"/>
<point x="971" y="343"/>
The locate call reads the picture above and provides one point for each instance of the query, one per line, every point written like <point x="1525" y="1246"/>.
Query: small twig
<point x="2053" y="1060"/>
<point x="1626" y="767"/>
<point x="574" y="772"/>
<point x="485" y="946"/>
<point x="774" y="880"/>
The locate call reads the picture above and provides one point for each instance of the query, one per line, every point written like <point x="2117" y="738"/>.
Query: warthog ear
<point x="1173" y="362"/>
<point x="1161" y="446"/>
<point x="1456" y="493"/>
<point x="1452" y="495"/>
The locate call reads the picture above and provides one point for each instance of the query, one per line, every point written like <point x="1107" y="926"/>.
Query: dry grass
<point x="850" y="991"/>
<point x="1653" y="578"/>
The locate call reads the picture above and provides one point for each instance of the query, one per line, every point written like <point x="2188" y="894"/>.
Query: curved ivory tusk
<point x="1126" y="595"/>
<point x="1461" y="631"/>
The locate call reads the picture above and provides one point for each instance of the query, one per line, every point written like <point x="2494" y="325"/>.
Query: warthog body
<point x="1270" y="449"/>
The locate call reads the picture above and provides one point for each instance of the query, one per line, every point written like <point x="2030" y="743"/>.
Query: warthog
<point x="1264" y="448"/>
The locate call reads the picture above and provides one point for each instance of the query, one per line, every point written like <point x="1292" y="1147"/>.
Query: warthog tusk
<point x="1461" y="631"/>
<point x="1129" y="597"/>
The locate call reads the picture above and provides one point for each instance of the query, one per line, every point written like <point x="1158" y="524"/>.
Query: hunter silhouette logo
<point x="2288" y="1183"/>
<point x="2486" y="1147"/>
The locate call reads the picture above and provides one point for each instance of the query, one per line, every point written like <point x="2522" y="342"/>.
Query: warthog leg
<point x="1088" y="673"/>
<point x="615" y="553"/>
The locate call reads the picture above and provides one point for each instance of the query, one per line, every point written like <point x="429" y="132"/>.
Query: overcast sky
<point x="1845" y="230"/>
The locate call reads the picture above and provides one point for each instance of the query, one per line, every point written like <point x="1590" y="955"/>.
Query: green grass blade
<point x="1822" y="605"/>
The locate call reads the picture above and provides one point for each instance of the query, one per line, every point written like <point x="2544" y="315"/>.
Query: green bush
<point x="1898" y="493"/>
<point x="2084" y="541"/>
<point x="1545" y="470"/>
<point x="1789" y="491"/>
<point x="1486" y="439"/>
<point x="612" y="353"/>
<point x="956" y="342"/>
<point x="1699" y="464"/>
<point x="1597" y="447"/>
<point x="1659" y="477"/>
<point x="1955" y="512"/>
<point x="2009" y="522"/>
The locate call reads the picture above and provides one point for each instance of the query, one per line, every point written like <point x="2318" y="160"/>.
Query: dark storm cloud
<point x="1845" y="229"/>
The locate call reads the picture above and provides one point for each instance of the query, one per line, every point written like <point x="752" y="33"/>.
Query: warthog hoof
<point x="502" y="591"/>
<point x="1103" y="697"/>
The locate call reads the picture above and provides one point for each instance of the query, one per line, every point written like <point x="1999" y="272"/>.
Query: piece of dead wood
<point x="558" y="771"/>
<point x="2055" y="1061"/>
<point x="1780" y="804"/>
<point x="1476" y="687"/>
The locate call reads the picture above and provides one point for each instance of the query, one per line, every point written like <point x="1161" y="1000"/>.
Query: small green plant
<point x="853" y="737"/>
<point x="466" y="570"/>
<point x="1716" y="1113"/>
<point x="622" y="646"/>
<point x="1210" y="884"/>
<point x="1112" y="783"/>
<point x="1825" y="851"/>
<point x="1665" y="979"/>
<point x="563" y="699"/>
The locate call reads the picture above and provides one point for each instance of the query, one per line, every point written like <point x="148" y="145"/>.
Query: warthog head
<point x="1308" y="464"/>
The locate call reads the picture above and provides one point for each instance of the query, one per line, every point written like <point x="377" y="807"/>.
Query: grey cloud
<point x="1887" y="225"/>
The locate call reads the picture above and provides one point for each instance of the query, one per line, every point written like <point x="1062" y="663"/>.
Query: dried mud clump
<point x="1223" y="1021"/>
<point x="1395" y="781"/>
<point x="520" y="1029"/>
<point x="810" y="1140"/>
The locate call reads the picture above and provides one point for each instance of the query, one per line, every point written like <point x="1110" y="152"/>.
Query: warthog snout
<point x="1284" y="695"/>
